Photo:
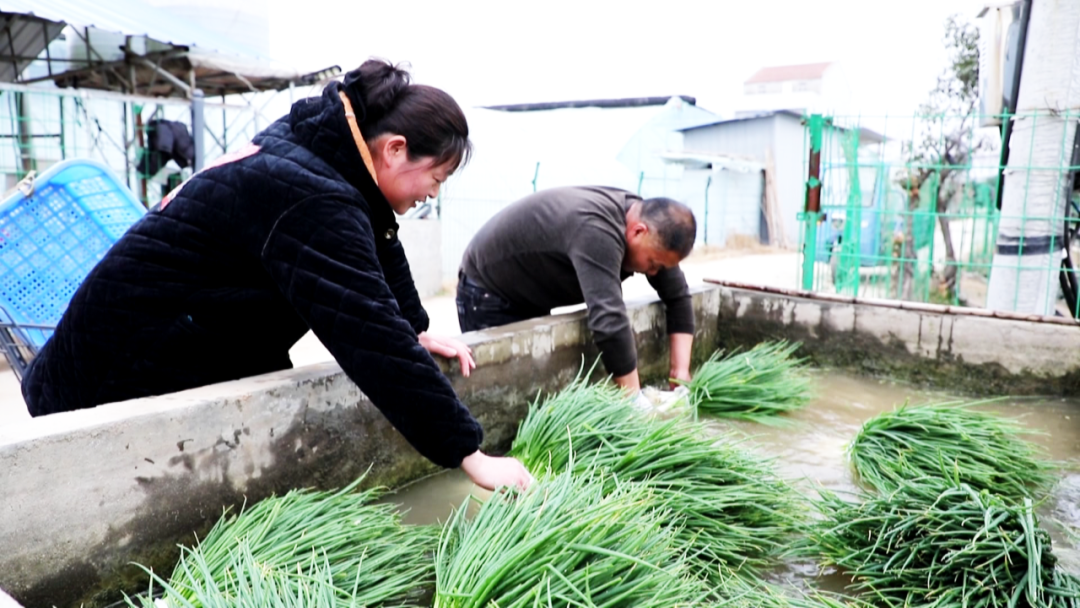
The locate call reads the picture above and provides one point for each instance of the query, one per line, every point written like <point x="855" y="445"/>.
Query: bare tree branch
<point x="944" y="146"/>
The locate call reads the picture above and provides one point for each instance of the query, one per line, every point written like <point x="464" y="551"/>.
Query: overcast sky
<point x="488" y="52"/>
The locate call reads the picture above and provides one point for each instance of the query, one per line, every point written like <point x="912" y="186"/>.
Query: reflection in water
<point x="810" y="451"/>
<point x="434" y="499"/>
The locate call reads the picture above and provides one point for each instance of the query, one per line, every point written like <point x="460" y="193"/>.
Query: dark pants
<point x="478" y="308"/>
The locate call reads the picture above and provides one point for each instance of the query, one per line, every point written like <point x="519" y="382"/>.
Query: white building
<point x="525" y="147"/>
<point x="806" y="88"/>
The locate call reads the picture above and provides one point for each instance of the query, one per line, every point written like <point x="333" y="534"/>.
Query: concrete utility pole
<point x="1024" y="276"/>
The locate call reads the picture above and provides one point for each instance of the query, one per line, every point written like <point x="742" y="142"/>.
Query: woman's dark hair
<point x="429" y="119"/>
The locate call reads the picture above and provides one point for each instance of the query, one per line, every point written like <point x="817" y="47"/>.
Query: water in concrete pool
<point x="811" y="452"/>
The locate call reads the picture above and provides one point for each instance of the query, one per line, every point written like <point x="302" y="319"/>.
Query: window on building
<point x="806" y="86"/>
<point x="763" y="88"/>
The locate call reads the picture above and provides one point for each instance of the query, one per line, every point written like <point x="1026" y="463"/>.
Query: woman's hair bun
<point x="378" y="84"/>
<point x="429" y="119"/>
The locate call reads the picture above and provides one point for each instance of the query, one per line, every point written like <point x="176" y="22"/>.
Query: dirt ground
<point x="751" y="264"/>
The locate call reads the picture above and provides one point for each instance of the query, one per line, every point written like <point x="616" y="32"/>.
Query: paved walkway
<point x="773" y="268"/>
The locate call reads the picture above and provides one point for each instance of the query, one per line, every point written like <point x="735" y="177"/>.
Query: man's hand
<point x="681" y="345"/>
<point x="678" y="374"/>
<point x="449" y="348"/>
<point x="490" y="472"/>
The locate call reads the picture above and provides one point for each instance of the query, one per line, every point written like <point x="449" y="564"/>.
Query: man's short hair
<point x="672" y="222"/>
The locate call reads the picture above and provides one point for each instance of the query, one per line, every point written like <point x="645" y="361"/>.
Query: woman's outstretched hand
<point x="490" y="472"/>
<point x="449" y="348"/>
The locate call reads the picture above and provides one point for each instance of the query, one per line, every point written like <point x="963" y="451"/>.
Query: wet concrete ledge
<point x="969" y="351"/>
<point x="86" y="493"/>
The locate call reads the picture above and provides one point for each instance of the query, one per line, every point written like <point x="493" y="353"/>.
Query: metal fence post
<point x="198" y="128"/>
<point x="708" y="182"/>
<point x="63" y="137"/>
<point x="850" y="253"/>
<point x="24" y="136"/>
<point x="812" y="210"/>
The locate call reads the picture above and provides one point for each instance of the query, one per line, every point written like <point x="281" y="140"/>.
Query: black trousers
<point x="478" y="308"/>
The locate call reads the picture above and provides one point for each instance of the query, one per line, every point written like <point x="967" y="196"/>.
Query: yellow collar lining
<point x="357" y="137"/>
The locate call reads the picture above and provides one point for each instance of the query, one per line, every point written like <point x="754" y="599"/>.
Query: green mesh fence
<point x="898" y="222"/>
<point x="41" y="126"/>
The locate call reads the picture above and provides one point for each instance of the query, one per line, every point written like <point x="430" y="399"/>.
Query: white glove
<point x="643" y="403"/>
<point x="680" y="392"/>
<point x="662" y="403"/>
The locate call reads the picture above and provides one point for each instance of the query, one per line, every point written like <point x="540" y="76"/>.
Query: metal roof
<point x="760" y="116"/>
<point x="131" y="17"/>
<point x="865" y="135"/>
<point x="629" y="102"/>
<point x="22" y="39"/>
<point x="178" y="54"/>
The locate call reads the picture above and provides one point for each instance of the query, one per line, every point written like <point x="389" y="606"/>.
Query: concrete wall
<point x="85" y="493"/>
<point x="963" y="350"/>
<point x="422" y="240"/>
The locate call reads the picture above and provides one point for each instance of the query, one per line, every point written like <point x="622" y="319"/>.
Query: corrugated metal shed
<point x="130" y="46"/>
<point x="22" y="39"/>
<point x="131" y="17"/>
<point x="776" y="134"/>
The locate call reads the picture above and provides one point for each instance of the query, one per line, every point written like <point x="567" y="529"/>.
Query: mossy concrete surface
<point x="86" y="493"/>
<point x="972" y="353"/>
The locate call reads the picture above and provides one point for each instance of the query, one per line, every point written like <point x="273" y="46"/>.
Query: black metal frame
<point x="1069" y="277"/>
<point x="15" y="346"/>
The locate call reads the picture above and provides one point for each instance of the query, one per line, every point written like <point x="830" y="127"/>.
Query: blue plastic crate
<point x="50" y="240"/>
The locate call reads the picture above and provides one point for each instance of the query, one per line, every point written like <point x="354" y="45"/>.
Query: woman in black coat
<point x="294" y="232"/>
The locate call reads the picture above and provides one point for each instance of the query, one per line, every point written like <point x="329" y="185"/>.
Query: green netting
<point x="885" y="210"/>
<point x="41" y="127"/>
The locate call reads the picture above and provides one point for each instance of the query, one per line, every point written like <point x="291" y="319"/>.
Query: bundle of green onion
<point x="575" y="419"/>
<point x="370" y="556"/>
<point x="962" y="548"/>
<point x="249" y="585"/>
<point x="732" y="512"/>
<point x="754" y="385"/>
<point x="566" y="541"/>
<point x="737" y="592"/>
<point x="953" y="441"/>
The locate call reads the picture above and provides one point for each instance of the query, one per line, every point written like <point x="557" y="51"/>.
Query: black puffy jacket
<point x="219" y="283"/>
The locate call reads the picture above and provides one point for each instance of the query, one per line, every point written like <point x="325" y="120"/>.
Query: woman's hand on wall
<point x="491" y="472"/>
<point x="449" y="348"/>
